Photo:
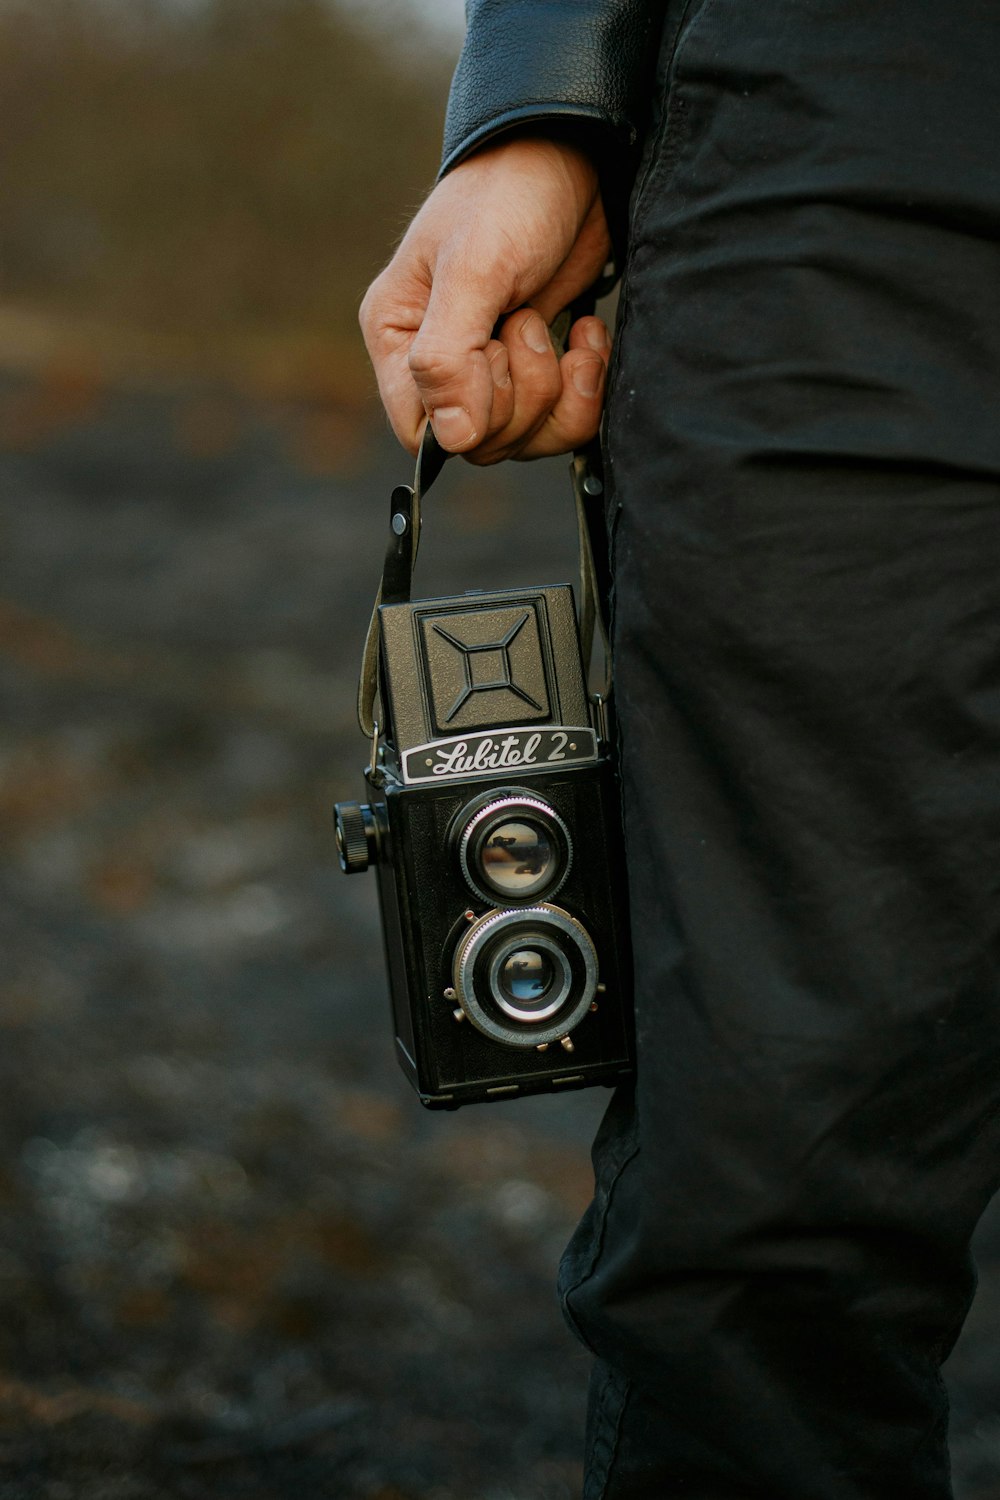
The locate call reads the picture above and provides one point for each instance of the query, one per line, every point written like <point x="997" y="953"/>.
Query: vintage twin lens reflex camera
<point x="493" y="824"/>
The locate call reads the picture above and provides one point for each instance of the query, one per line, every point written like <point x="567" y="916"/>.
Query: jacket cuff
<point x="577" y="68"/>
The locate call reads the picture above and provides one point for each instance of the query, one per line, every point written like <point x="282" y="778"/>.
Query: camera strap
<point x="586" y="471"/>
<point x="397" y="568"/>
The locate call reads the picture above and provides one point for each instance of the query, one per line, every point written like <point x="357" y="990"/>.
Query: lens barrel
<point x="513" y="848"/>
<point x="525" y="975"/>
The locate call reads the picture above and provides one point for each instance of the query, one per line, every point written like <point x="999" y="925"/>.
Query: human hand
<point x="520" y="222"/>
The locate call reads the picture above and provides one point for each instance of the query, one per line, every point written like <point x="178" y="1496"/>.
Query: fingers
<point x="449" y="365"/>
<point x="556" y="403"/>
<point x="576" y="416"/>
<point x="429" y="333"/>
<point x="502" y="408"/>
<point x="389" y="316"/>
<point x="488" y="399"/>
<point x="534" y="374"/>
<point x="451" y="370"/>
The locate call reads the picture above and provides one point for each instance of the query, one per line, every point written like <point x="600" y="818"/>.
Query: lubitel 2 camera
<point x="493" y="824"/>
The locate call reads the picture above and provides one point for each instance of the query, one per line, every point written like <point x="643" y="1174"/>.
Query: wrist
<point x="560" y="167"/>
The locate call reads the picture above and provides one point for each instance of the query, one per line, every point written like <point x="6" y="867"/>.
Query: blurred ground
<point x="236" y="1258"/>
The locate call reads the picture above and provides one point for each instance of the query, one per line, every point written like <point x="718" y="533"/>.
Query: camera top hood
<point x="511" y="657"/>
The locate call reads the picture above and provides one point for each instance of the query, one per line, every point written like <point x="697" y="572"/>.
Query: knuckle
<point x="553" y="384"/>
<point x="572" y="434"/>
<point x="538" y="390"/>
<point x="429" y="365"/>
<point x="499" y="420"/>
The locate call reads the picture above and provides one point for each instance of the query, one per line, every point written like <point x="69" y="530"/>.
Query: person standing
<point x="803" y="455"/>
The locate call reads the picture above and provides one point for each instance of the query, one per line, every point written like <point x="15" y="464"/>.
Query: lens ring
<point x="514" y="810"/>
<point x="522" y="927"/>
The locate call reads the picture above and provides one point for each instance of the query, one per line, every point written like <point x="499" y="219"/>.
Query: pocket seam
<point x="672" y="129"/>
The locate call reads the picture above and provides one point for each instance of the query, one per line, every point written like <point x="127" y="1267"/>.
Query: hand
<point x="521" y="222"/>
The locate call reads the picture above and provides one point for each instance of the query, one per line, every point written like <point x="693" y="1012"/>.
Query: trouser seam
<point x="600" y="1229"/>
<point x="616" y="1442"/>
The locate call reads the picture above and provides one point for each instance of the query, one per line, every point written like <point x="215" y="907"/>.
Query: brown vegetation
<point x="220" y="175"/>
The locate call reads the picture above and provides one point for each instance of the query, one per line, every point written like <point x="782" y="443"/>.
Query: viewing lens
<point x="517" y="858"/>
<point x="513" y="847"/>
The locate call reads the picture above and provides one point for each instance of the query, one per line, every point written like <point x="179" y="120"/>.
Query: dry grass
<point x="203" y="184"/>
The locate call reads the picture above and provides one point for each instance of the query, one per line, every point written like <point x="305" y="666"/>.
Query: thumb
<point x="448" y="355"/>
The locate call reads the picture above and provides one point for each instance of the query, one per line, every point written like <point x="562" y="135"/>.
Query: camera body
<point x="493" y="823"/>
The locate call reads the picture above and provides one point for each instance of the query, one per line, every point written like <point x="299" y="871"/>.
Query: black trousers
<point x="804" y="443"/>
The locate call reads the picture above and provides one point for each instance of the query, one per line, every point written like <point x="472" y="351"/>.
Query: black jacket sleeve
<point x="581" y="67"/>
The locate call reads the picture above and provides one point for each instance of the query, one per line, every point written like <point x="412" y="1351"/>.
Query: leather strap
<point x="397" y="569"/>
<point x="587" y="474"/>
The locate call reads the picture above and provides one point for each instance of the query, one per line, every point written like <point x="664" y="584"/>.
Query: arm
<point x="515" y="219"/>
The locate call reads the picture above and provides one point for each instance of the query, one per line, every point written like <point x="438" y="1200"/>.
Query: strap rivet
<point x="399" y="524"/>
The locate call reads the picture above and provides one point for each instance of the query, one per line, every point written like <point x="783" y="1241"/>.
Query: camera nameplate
<point x="495" y="752"/>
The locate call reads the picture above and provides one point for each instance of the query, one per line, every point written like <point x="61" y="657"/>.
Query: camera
<point x="492" y="821"/>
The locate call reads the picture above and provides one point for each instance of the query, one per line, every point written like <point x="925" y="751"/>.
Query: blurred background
<point x="236" y="1257"/>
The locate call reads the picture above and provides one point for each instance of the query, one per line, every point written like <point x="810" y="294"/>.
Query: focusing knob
<point x="355" y="827"/>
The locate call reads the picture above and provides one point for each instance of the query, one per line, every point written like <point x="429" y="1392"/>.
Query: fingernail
<point x="536" y="335"/>
<point x="500" y="369"/>
<point x="597" y="336"/>
<point x="453" y="426"/>
<point x="587" y="377"/>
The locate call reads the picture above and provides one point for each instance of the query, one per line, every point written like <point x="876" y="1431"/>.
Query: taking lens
<point x="528" y="976"/>
<point x="525" y="976"/>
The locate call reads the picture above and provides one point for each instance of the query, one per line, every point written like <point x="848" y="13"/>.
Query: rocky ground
<point x="236" y="1258"/>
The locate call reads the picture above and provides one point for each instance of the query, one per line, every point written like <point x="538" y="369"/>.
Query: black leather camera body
<point x="493" y="824"/>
